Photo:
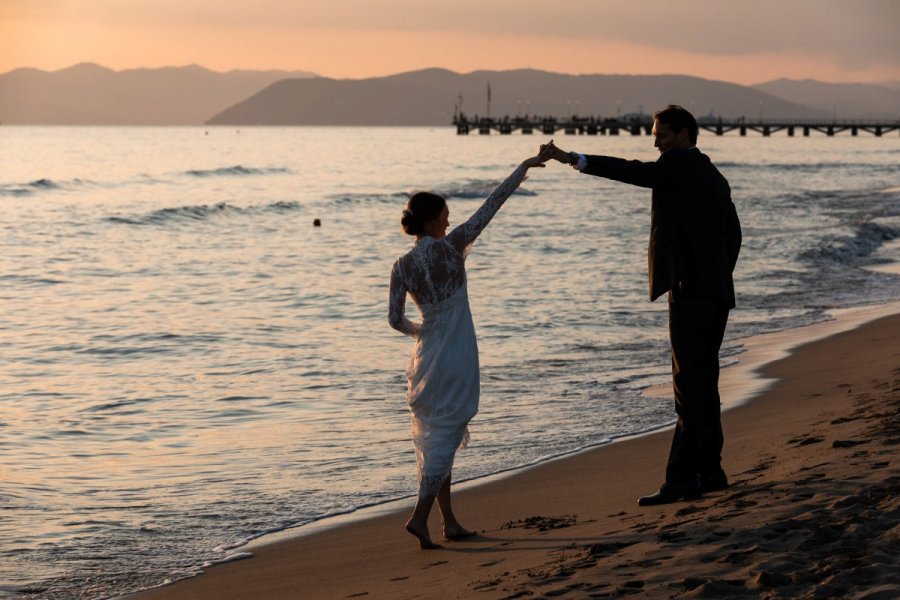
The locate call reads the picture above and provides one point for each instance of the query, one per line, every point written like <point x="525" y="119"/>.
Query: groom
<point x="695" y="237"/>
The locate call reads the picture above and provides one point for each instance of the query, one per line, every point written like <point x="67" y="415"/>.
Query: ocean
<point x="187" y="363"/>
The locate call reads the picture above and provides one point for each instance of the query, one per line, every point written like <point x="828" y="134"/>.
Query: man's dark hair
<point x="678" y="118"/>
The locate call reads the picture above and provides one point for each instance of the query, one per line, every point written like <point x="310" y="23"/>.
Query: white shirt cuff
<point x="581" y="165"/>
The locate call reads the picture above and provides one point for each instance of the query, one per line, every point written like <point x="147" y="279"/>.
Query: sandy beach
<point x="813" y="510"/>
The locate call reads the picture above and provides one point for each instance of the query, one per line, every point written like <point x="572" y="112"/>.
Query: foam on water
<point x="236" y="170"/>
<point x="203" y="212"/>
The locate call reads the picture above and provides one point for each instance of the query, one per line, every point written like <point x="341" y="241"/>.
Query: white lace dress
<point x="442" y="375"/>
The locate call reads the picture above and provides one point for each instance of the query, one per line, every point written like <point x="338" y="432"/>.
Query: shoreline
<point x="316" y="557"/>
<point x="741" y="379"/>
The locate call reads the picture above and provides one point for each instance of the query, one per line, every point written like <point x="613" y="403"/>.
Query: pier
<point x="576" y="125"/>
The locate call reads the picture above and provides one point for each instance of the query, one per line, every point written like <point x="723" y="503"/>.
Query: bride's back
<point x="433" y="270"/>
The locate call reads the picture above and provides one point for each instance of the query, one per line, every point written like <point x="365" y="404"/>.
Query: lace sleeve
<point x="397" y="305"/>
<point x="463" y="235"/>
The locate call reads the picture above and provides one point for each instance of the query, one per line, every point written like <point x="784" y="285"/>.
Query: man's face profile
<point x="665" y="139"/>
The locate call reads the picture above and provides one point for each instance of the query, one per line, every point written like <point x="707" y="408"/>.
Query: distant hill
<point x="88" y="94"/>
<point x="429" y="97"/>
<point x="845" y="100"/>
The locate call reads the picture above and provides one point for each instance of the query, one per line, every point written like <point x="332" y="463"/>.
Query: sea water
<point x="187" y="362"/>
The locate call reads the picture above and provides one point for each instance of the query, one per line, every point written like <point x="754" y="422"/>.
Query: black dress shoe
<point x="713" y="483"/>
<point x="672" y="492"/>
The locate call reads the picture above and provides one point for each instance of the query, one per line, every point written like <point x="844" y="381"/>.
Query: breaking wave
<point x="38" y="185"/>
<point x="236" y="170"/>
<point x="203" y="212"/>
<point x="476" y="189"/>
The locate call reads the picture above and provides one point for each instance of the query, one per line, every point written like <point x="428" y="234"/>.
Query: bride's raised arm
<point x="463" y="235"/>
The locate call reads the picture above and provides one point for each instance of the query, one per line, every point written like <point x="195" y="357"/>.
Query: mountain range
<point x="430" y="97"/>
<point x="841" y="100"/>
<point x="88" y="94"/>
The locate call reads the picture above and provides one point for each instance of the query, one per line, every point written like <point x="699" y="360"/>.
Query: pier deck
<point x="576" y="125"/>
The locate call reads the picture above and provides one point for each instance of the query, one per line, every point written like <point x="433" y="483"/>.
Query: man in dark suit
<point x="695" y="237"/>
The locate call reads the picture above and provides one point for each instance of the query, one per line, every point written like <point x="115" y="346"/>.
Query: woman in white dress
<point x="443" y="378"/>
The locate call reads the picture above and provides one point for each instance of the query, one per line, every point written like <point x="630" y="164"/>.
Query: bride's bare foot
<point x="424" y="539"/>
<point x="458" y="532"/>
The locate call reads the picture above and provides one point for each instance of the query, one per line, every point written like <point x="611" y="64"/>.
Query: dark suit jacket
<point x="695" y="234"/>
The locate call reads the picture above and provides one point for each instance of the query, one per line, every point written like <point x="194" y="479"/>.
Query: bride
<point x="442" y="376"/>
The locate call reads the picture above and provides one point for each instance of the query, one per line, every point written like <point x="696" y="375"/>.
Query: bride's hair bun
<point x="421" y="208"/>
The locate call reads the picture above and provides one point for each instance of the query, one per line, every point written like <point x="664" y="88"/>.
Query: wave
<point x="45" y="184"/>
<point x="203" y="212"/>
<point x="15" y="192"/>
<point x="868" y="238"/>
<point x="479" y="188"/>
<point x="872" y="226"/>
<point x="39" y="185"/>
<point x="28" y="280"/>
<point x="363" y="198"/>
<point x="473" y="189"/>
<point x="805" y="167"/>
<point x="235" y="170"/>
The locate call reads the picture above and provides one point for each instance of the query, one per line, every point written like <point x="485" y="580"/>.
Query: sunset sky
<point x="744" y="42"/>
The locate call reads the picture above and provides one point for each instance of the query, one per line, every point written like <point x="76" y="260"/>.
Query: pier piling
<point x="577" y="125"/>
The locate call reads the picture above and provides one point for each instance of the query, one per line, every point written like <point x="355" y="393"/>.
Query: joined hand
<point x="543" y="156"/>
<point x="557" y="153"/>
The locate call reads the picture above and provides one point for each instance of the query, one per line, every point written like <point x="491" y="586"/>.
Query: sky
<point x="749" y="41"/>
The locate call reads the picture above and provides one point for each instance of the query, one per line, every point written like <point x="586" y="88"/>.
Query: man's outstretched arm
<point x="635" y="172"/>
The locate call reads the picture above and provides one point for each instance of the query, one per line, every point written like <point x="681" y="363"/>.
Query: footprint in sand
<point x="436" y="564"/>
<point x="689" y="510"/>
<point x="636" y="584"/>
<point x="559" y="592"/>
<point x="847" y="443"/>
<point x="816" y="466"/>
<point x="740" y="556"/>
<point x="713" y="588"/>
<point x="542" y="523"/>
<point x="841" y="420"/>
<point x="671" y="536"/>
<point x="761" y="466"/>
<point x="806" y="440"/>
<point x="608" y="548"/>
<point x="813" y="478"/>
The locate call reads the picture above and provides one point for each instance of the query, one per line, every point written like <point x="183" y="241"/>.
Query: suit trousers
<point x="696" y="328"/>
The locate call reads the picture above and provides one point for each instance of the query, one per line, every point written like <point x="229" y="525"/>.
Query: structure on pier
<point x="643" y="125"/>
